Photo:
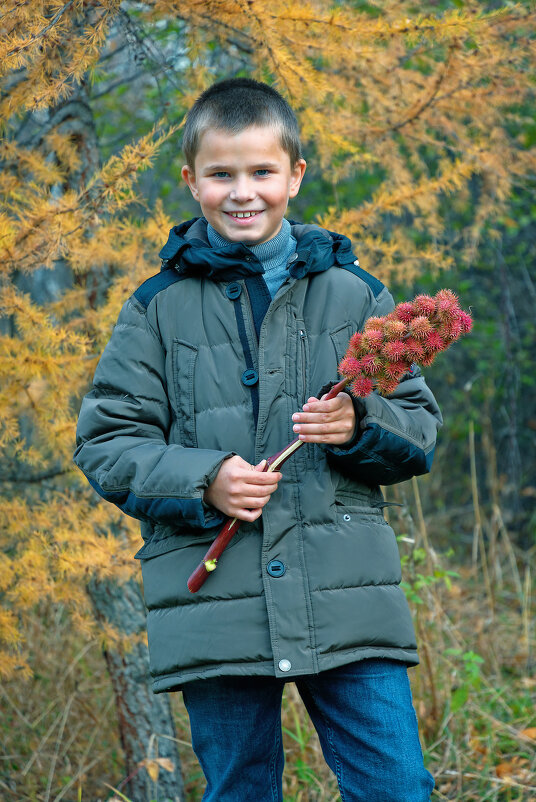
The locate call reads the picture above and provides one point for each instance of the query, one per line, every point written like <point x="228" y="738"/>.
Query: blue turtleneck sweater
<point x="273" y="254"/>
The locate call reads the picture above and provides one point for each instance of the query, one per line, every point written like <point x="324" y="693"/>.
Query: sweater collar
<point x="273" y="250"/>
<point x="188" y="250"/>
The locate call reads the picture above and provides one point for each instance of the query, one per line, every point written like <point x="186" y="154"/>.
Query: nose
<point x="243" y="190"/>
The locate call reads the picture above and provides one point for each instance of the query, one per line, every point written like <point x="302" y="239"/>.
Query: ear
<point x="296" y="175"/>
<point x="189" y="177"/>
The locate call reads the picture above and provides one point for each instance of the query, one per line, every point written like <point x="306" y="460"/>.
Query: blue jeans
<point x="363" y="714"/>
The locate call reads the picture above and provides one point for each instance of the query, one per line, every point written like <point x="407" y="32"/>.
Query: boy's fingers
<point x="262" y="479"/>
<point x="334" y="437"/>
<point x="248" y="515"/>
<point x="324" y="405"/>
<point x="253" y="502"/>
<point x="317" y="417"/>
<point x="255" y="491"/>
<point x="322" y="429"/>
<point x="253" y="474"/>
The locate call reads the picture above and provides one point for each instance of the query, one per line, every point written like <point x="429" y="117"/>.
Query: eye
<point x="220" y="174"/>
<point x="262" y="172"/>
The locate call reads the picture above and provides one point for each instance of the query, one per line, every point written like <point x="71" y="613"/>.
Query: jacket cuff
<point x="213" y="516"/>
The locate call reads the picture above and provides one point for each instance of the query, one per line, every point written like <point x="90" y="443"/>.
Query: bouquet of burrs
<point x="415" y="332"/>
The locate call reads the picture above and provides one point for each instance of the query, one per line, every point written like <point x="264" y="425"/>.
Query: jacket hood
<point x="189" y="252"/>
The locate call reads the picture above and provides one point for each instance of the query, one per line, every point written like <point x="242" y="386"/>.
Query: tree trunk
<point x="145" y="720"/>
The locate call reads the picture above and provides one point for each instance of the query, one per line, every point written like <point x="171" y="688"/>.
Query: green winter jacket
<point x="203" y="364"/>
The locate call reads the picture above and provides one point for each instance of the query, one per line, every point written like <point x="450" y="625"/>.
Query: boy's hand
<point x="323" y="421"/>
<point x="241" y="490"/>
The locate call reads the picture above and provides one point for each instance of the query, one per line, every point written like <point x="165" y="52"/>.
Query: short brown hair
<point x="235" y="104"/>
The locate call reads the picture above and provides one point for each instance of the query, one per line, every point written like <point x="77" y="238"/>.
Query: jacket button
<point x="233" y="290"/>
<point x="346" y="517"/>
<point x="285" y="665"/>
<point x="250" y="377"/>
<point x="276" y="568"/>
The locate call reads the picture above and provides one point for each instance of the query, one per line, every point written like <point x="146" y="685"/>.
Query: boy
<point x="215" y="363"/>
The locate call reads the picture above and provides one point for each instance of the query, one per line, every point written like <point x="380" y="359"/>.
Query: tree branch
<point x="33" y="479"/>
<point x="427" y="102"/>
<point x="44" y="30"/>
<point x="118" y="82"/>
<point x="13" y="8"/>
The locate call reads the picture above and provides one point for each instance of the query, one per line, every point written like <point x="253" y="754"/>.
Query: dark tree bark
<point x="145" y="721"/>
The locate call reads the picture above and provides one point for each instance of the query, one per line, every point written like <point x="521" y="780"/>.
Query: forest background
<point x="419" y="130"/>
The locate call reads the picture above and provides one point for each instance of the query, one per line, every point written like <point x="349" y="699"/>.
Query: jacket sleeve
<point x="121" y="438"/>
<point x="396" y="434"/>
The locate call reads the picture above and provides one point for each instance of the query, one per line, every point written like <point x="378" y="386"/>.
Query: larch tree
<point x="429" y="99"/>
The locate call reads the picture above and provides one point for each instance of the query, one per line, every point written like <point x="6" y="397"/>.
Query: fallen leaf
<point x="505" y="770"/>
<point x="530" y="732"/>
<point x="166" y="763"/>
<point x="151" y="767"/>
<point x="512" y="770"/>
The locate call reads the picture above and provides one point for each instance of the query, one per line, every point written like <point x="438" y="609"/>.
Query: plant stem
<point x="478" y="535"/>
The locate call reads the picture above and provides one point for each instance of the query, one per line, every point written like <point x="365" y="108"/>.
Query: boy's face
<point x="243" y="182"/>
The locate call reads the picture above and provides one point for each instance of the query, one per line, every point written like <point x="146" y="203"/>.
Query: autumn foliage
<point x="416" y="129"/>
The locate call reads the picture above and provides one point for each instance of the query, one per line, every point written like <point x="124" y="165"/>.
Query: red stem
<point x="232" y="525"/>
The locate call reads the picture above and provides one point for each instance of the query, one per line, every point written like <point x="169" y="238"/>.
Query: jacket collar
<point x="189" y="252"/>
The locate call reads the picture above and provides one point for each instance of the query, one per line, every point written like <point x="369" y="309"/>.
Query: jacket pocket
<point x="367" y="543"/>
<point x="297" y="362"/>
<point x="340" y="338"/>
<point x="302" y="364"/>
<point x="184" y="363"/>
<point x="348" y="507"/>
<point x="310" y="452"/>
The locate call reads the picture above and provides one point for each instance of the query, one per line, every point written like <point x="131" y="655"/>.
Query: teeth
<point x="242" y="214"/>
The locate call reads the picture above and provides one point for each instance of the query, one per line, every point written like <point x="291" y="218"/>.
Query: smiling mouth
<point x="243" y="215"/>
